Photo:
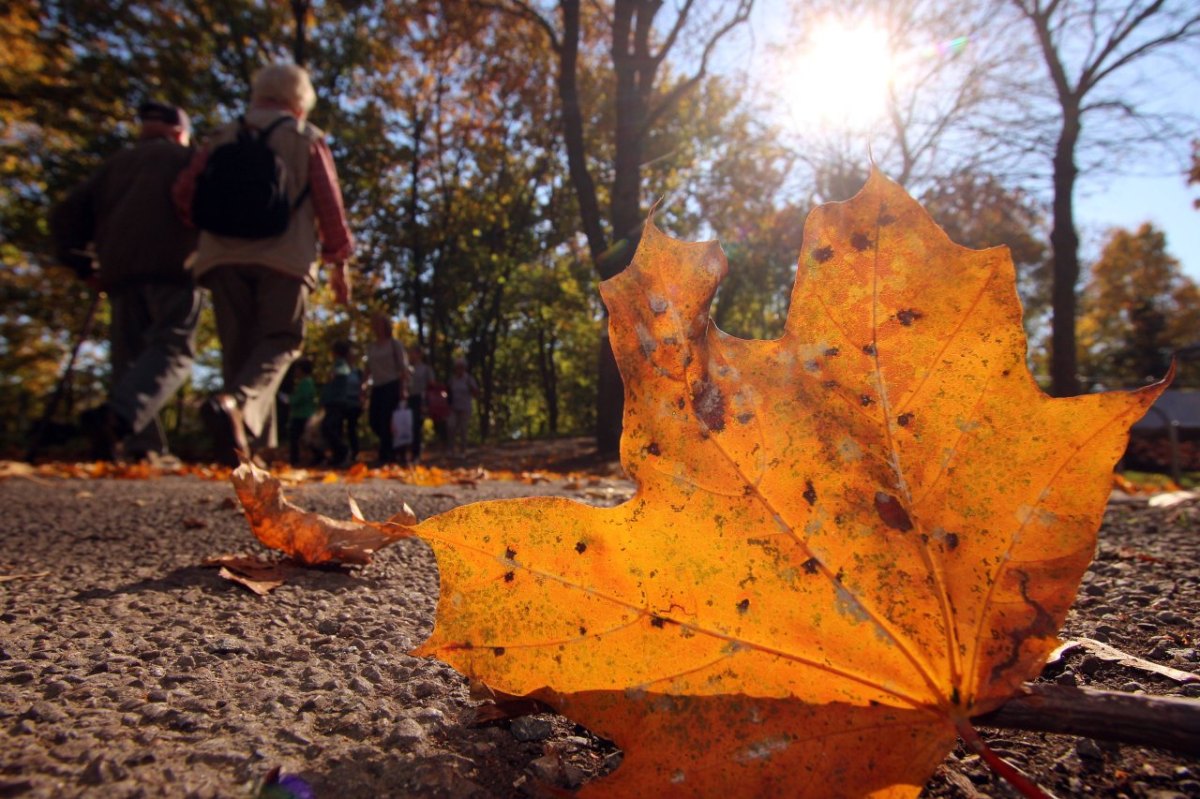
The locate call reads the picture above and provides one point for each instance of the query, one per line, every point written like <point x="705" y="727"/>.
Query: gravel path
<point x="128" y="669"/>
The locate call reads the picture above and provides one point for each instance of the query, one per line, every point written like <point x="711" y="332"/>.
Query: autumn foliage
<point x="845" y="542"/>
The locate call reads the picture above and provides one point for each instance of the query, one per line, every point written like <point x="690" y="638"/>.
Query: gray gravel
<point x="128" y="669"/>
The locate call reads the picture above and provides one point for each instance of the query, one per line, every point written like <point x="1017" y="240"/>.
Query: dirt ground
<point x="129" y="669"/>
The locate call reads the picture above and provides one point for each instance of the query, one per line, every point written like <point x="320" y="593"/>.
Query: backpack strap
<point x="264" y="134"/>
<point x="269" y="129"/>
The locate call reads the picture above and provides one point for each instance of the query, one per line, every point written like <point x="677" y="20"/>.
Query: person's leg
<point x="353" y="414"/>
<point x="295" y="435"/>
<point x="380" y="422"/>
<point x="416" y="405"/>
<point x="260" y="320"/>
<point x="458" y="430"/>
<point x="332" y="430"/>
<point x="152" y="365"/>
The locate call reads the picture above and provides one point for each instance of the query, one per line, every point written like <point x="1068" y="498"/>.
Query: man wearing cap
<point x="119" y="231"/>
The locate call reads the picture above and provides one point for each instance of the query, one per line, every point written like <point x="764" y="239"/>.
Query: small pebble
<point x="531" y="728"/>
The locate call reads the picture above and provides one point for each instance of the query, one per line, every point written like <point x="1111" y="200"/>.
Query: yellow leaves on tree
<point x="844" y="544"/>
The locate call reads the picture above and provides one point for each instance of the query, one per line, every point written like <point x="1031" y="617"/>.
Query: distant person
<point x="260" y="282"/>
<point x="420" y="380"/>
<point x="334" y="406"/>
<point x="462" y="389"/>
<point x="124" y="211"/>
<point x="387" y="369"/>
<point x="355" y="386"/>
<point x="303" y="407"/>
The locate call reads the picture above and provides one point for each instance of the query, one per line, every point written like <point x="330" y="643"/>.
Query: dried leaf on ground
<point x="308" y="537"/>
<point x="1112" y="654"/>
<point x="845" y="542"/>
<point x="260" y="576"/>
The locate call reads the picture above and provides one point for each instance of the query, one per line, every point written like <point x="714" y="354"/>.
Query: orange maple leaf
<point x="844" y="543"/>
<point x="310" y="538"/>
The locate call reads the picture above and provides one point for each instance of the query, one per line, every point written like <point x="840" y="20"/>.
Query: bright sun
<point x="840" y="77"/>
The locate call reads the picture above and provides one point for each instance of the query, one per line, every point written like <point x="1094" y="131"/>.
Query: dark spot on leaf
<point x="709" y="403"/>
<point x="885" y="219"/>
<point x="903" y="419"/>
<point x="510" y="553"/>
<point x="497" y="651"/>
<point x="743" y="606"/>
<point x="822" y="254"/>
<point x="955" y="697"/>
<point x="892" y="512"/>
<point x="952" y="541"/>
<point x="811" y="566"/>
<point x="924" y="538"/>
<point x="830" y="384"/>
<point x="810" y="493"/>
<point x="680" y="404"/>
<point x="1004" y="373"/>
<point x="865" y="399"/>
<point x="653" y="448"/>
<point x="908" y="315"/>
<point x="812" y="366"/>
<point x="874" y="703"/>
<point x="581" y="547"/>
<point x="658" y="306"/>
<point x="869" y="349"/>
<point x="658" y="621"/>
<point x="510" y="576"/>
<point x="832" y="352"/>
<point x="860" y="241"/>
<point x="583" y="630"/>
<point x="841" y="575"/>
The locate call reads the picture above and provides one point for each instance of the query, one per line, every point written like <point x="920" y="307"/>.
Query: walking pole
<point x="38" y="434"/>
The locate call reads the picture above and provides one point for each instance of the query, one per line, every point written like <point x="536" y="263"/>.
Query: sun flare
<point x="839" y="77"/>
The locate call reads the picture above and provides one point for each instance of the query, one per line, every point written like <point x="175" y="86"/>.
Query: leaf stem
<point x="1028" y="788"/>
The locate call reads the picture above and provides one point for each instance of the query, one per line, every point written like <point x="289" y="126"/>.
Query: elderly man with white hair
<point x="260" y="286"/>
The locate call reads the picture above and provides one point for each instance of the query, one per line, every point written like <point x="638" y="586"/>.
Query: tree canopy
<point x="498" y="159"/>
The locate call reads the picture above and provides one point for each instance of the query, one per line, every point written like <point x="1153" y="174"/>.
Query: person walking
<point x="334" y="396"/>
<point x="387" y="370"/>
<point x="420" y="379"/>
<point x="352" y="411"/>
<point x="124" y="211"/>
<point x="303" y="407"/>
<point x="260" y="284"/>
<point x="462" y="388"/>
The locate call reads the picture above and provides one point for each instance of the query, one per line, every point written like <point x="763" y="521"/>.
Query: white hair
<point x="287" y="84"/>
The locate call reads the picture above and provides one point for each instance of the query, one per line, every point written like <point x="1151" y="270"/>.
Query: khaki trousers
<point x="260" y="322"/>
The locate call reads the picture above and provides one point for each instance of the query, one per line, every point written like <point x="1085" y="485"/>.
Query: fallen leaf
<point x="16" y="469"/>
<point x="5" y="578"/>
<point x="844" y="544"/>
<point x="192" y="523"/>
<point x="1172" y="498"/>
<point x="260" y="576"/>
<point x="1112" y="654"/>
<point x="308" y="537"/>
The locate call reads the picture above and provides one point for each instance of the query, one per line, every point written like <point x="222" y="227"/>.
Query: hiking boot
<point x="105" y="429"/>
<point x="223" y="419"/>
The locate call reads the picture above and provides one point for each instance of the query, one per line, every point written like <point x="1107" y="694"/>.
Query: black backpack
<point x="243" y="189"/>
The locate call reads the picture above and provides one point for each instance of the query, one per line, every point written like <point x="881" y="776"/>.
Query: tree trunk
<point x="1064" y="242"/>
<point x="300" y="10"/>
